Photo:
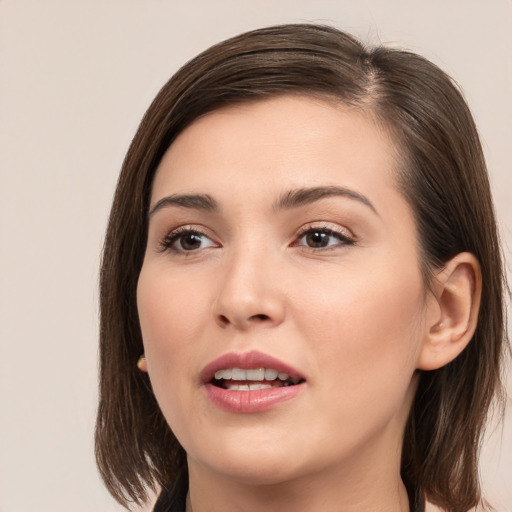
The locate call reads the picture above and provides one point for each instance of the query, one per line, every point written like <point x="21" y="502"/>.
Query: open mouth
<point x="237" y="379"/>
<point x="251" y="382"/>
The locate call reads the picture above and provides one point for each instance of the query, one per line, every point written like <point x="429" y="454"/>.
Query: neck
<point x="366" y="490"/>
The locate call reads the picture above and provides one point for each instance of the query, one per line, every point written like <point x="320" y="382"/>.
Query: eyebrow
<point x="304" y="196"/>
<point x="194" y="201"/>
<point x="289" y="200"/>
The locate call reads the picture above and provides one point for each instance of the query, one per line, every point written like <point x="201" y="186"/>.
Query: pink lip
<point x="249" y="401"/>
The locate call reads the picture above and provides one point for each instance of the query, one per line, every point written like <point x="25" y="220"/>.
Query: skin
<point x="354" y="317"/>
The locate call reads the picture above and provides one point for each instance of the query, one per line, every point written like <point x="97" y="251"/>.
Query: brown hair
<point x="442" y="174"/>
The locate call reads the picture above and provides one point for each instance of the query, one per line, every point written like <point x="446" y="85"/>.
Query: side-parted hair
<point x="440" y="171"/>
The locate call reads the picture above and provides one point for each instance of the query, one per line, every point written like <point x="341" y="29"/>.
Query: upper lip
<point x="246" y="361"/>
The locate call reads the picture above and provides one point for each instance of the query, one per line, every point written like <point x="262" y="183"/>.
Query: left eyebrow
<point x="192" y="201"/>
<point x="304" y="196"/>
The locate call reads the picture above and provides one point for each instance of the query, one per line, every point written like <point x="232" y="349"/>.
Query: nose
<point x="249" y="293"/>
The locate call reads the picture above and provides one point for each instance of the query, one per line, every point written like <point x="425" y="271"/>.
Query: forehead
<point x="286" y="141"/>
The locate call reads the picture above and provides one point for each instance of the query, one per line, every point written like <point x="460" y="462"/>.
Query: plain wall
<point x="75" y="79"/>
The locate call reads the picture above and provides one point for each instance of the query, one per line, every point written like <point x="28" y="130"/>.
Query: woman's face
<point x="279" y="242"/>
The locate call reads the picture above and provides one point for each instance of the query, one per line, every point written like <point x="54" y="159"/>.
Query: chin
<point x="258" y="471"/>
<point x="260" y="462"/>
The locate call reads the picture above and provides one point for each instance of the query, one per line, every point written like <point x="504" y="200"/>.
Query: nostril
<point x="223" y="320"/>
<point x="260" y="317"/>
<point x="241" y="321"/>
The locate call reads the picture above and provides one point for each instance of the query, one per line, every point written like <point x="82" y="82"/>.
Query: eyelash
<point x="167" y="244"/>
<point x="169" y="241"/>
<point x="343" y="238"/>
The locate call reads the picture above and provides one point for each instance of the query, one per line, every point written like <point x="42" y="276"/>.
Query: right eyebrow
<point x="303" y="196"/>
<point x="193" y="201"/>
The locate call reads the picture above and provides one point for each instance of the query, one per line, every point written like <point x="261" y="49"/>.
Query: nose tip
<point x="247" y="299"/>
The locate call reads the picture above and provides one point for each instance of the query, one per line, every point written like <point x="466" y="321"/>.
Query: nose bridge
<point x="248" y="290"/>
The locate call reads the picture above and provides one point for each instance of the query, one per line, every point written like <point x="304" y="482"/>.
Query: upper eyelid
<point x="193" y="228"/>
<point x="327" y="226"/>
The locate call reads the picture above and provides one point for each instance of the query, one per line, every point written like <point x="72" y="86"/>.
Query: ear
<point x="142" y="364"/>
<point x="452" y="312"/>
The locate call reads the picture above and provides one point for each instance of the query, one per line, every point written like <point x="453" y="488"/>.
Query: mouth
<point x="246" y="368"/>
<point x="239" y="379"/>
<point x="250" y="382"/>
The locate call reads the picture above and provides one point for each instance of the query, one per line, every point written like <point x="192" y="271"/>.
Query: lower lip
<point x="258" y="400"/>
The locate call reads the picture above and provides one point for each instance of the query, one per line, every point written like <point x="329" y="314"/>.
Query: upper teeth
<point x="253" y="374"/>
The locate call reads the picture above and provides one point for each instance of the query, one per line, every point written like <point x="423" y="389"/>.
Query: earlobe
<point x="453" y="319"/>
<point x="142" y="364"/>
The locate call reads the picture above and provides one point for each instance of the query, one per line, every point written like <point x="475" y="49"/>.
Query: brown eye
<point x="317" y="239"/>
<point x="320" y="238"/>
<point x="186" y="240"/>
<point x="190" y="241"/>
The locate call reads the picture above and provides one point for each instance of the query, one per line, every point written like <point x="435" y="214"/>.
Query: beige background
<point x="75" y="79"/>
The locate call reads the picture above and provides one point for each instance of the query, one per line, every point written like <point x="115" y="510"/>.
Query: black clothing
<point x="175" y="499"/>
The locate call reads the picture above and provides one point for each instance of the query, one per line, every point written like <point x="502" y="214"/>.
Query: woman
<point x="302" y="289"/>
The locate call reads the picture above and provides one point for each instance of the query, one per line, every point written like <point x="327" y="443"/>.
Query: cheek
<point x="365" y="336"/>
<point x="169" y="311"/>
<point x="368" y="330"/>
<point x="169" y="307"/>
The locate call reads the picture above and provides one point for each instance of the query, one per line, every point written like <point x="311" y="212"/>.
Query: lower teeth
<point x="234" y="386"/>
<point x="247" y="387"/>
